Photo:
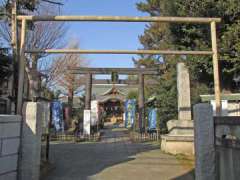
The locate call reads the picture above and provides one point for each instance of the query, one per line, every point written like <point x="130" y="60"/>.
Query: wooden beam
<point x="217" y="89"/>
<point x="148" y="71"/>
<point x="122" y="81"/>
<point x="121" y="19"/>
<point x="151" y="52"/>
<point x="21" y="72"/>
<point x="229" y="97"/>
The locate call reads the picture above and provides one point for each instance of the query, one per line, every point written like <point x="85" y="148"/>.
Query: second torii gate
<point x="141" y="72"/>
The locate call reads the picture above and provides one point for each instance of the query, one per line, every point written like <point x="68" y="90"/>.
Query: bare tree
<point x="42" y="35"/>
<point x="59" y="76"/>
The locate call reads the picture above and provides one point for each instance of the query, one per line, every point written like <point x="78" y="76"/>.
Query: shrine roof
<point x="99" y="90"/>
<point x="113" y="91"/>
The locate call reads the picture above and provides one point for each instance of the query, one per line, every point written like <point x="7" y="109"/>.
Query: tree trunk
<point x="70" y="106"/>
<point x="15" y="45"/>
<point x="33" y="80"/>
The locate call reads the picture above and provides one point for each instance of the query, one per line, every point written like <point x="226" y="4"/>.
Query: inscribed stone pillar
<point x="30" y="154"/>
<point x="183" y="87"/>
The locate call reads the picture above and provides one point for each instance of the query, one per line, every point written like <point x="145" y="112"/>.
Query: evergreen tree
<point x="191" y="37"/>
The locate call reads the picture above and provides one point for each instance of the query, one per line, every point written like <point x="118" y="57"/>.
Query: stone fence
<point x="20" y="153"/>
<point x="217" y="145"/>
<point x="9" y="146"/>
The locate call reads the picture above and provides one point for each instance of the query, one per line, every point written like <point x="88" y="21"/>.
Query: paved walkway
<point x="114" y="158"/>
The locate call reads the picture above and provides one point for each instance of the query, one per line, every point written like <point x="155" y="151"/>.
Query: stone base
<point x="180" y="139"/>
<point x="177" y="144"/>
<point x="180" y="127"/>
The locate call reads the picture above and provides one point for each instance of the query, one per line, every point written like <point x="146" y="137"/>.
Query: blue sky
<point x="107" y="35"/>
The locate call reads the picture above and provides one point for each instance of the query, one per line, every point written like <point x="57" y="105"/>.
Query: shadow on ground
<point x="82" y="161"/>
<point x="185" y="176"/>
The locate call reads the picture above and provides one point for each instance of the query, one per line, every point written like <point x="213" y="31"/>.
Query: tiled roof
<point x="105" y="89"/>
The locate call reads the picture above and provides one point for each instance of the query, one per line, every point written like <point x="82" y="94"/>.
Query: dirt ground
<point x="115" y="157"/>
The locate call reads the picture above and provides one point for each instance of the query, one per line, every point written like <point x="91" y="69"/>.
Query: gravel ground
<point x="115" y="157"/>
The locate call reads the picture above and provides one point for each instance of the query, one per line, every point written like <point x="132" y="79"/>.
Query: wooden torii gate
<point x="194" y="20"/>
<point x="141" y="72"/>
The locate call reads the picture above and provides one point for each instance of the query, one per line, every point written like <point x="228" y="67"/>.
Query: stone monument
<point x="183" y="88"/>
<point x="179" y="140"/>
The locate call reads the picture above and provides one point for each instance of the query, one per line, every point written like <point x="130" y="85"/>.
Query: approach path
<point x="115" y="157"/>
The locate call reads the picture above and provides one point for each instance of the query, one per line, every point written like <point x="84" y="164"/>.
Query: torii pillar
<point x="141" y="109"/>
<point x="88" y="91"/>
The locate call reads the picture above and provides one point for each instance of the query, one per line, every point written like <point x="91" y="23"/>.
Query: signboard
<point x="87" y="122"/>
<point x="130" y="112"/>
<point x="94" y="113"/>
<point x="152" y="118"/>
<point x="57" y="115"/>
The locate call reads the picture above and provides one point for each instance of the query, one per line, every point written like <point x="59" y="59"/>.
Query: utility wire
<point x="53" y="2"/>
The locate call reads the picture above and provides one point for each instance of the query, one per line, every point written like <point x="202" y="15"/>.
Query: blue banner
<point x="152" y="118"/>
<point x="57" y="115"/>
<point x="130" y="112"/>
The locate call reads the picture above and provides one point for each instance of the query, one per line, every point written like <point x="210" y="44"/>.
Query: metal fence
<point x="227" y="131"/>
<point x="144" y="137"/>
<point x="227" y="147"/>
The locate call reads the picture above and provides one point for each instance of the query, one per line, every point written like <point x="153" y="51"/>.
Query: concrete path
<point x="114" y="158"/>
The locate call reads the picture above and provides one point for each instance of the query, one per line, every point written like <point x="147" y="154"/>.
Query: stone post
<point x="183" y="87"/>
<point x="205" y="166"/>
<point x="30" y="154"/>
